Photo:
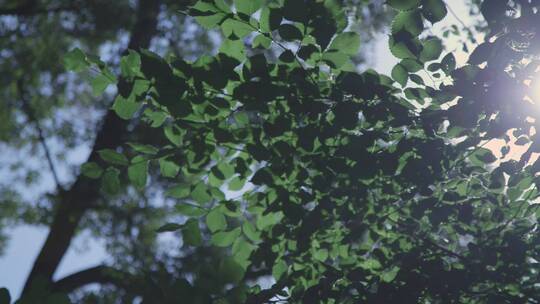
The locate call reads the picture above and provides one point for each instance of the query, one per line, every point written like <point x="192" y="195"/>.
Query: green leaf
<point x="168" y="168"/>
<point x="113" y="157"/>
<point x="448" y="63"/>
<point x="191" y="233"/>
<point x="371" y="264"/>
<point x="279" y="268"/>
<point x="179" y="191"/>
<point x="190" y="210"/>
<point x="389" y="275"/>
<point x="5" y="297"/>
<point x="225" y="238"/>
<point x="125" y="108"/>
<point x="223" y="170"/>
<point x="399" y="74"/>
<point x="168" y="87"/>
<point x="431" y="50"/>
<point x="200" y="193"/>
<point x="409" y="21"/>
<point x="140" y="86"/>
<point x="321" y="254"/>
<point x="222" y="6"/>
<point x="234" y="49"/>
<point x="99" y="83"/>
<point x="91" y="170"/>
<point x="130" y="64"/>
<point x="289" y="32"/>
<point x="231" y="271"/>
<point x="249" y="231"/>
<point x="137" y="174"/>
<point x="417" y="94"/>
<point x="110" y="181"/>
<point x="270" y="19"/>
<point x="155" y="118"/>
<point x="236" y="183"/>
<point x="215" y="220"/>
<point x="483" y="155"/>
<point x="174" y="135"/>
<point x="268" y="220"/>
<point x="247" y="7"/>
<point x="169" y="227"/>
<point x="417" y="79"/>
<point x="434" y="67"/>
<point x="404" y="5"/>
<point x="207" y="14"/>
<point x="242" y="250"/>
<point x="145" y="149"/>
<point x="404" y="49"/>
<point x="75" y="60"/>
<point x="235" y="29"/>
<point x="434" y="10"/>
<point x="261" y="41"/>
<point x="347" y="43"/>
<point x="411" y="65"/>
<point x="335" y="59"/>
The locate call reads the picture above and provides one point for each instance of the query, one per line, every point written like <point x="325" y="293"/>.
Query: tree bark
<point x="101" y="275"/>
<point x="74" y="202"/>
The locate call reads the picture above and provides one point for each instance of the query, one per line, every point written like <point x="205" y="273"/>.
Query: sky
<point x="86" y="251"/>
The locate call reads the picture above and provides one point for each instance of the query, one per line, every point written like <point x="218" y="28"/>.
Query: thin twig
<point x="470" y="153"/>
<point x="27" y="108"/>
<point x="457" y="17"/>
<point x="431" y="78"/>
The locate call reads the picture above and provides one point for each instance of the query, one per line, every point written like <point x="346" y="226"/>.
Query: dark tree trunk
<point x="74" y="202"/>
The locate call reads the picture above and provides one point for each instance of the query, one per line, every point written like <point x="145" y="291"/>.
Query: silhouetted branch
<point x="266" y="295"/>
<point x="27" y="108"/>
<point x="99" y="274"/>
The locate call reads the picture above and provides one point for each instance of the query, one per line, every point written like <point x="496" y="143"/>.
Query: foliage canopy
<point x="344" y="187"/>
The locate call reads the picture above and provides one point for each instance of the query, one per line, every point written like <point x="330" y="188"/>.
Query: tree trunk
<point x="73" y="203"/>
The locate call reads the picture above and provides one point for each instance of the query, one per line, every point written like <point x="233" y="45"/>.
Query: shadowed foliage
<point x="282" y="164"/>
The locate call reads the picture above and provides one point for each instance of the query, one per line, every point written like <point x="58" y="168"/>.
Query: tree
<point x="35" y="37"/>
<point x="353" y="187"/>
<point x="397" y="203"/>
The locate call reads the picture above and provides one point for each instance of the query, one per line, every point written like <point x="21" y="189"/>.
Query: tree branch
<point x="267" y="294"/>
<point x="27" y="108"/>
<point x="98" y="274"/>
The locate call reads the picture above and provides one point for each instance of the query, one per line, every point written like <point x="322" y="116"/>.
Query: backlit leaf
<point x="169" y="227"/>
<point x="91" y="170"/>
<point x="215" y="220"/>
<point x="75" y="60"/>
<point x="137" y="173"/>
<point x="347" y="43"/>
<point x="113" y="157"/>
<point x="225" y="238"/>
